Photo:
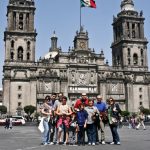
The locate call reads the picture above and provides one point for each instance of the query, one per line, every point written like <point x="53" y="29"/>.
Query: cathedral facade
<point x="79" y="70"/>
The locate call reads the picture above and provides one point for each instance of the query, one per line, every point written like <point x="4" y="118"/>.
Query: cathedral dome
<point x="51" y="54"/>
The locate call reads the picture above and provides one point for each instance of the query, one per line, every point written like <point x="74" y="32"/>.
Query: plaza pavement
<point x="29" y="138"/>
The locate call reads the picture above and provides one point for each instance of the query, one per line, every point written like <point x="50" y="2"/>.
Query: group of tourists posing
<point x="83" y="117"/>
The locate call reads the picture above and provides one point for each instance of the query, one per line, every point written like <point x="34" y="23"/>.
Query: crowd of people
<point x="135" y="121"/>
<point x="65" y="124"/>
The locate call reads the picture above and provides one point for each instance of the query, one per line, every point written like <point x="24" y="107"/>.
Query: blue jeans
<point x="115" y="134"/>
<point x="46" y="133"/>
<point x="91" y="133"/>
<point x="81" y="135"/>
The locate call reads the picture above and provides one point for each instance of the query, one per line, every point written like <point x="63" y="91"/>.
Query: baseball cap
<point x="83" y="94"/>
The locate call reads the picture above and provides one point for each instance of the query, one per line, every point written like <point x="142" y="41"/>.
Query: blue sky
<point x="63" y="17"/>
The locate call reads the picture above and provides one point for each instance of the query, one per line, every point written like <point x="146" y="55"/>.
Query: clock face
<point x="82" y="45"/>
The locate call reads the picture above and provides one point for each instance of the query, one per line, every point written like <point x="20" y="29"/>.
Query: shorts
<point x="63" y="121"/>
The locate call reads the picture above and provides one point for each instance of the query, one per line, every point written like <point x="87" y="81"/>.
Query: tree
<point x="3" y="109"/>
<point x="146" y="111"/>
<point x="29" y="109"/>
<point x="125" y="113"/>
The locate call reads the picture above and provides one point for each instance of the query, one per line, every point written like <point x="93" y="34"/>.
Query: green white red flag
<point x="88" y="3"/>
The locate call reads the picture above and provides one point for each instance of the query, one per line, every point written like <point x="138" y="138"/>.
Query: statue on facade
<point x="92" y="78"/>
<point x="73" y="80"/>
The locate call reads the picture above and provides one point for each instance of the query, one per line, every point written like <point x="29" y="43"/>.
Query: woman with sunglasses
<point x="46" y="112"/>
<point x="113" y="117"/>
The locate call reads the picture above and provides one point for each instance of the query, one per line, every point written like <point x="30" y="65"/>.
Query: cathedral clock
<point x="81" y="45"/>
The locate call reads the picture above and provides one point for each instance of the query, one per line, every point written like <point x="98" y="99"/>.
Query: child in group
<point x="72" y="129"/>
<point x="82" y="116"/>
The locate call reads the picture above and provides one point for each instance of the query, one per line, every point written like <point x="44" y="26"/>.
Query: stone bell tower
<point x="129" y="48"/>
<point x="20" y="35"/>
<point x="19" y="38"/>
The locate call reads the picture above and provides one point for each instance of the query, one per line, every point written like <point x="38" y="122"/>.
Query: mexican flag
<point x="88" y="3"/>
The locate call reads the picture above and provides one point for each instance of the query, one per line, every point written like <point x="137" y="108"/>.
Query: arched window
<point x="20" y="25"/>
<point x="12" y="56"/>
<point x="129" y="52"/>
<point x="28" y="56"/>
<point x="142" y="62"/>
<point x="12" y="44"/>
<point x="20" y="21"/>
<point x="27" y="20"/>
<point x="21" y="17"/>
<point x="20" y="53"/>
<point x="129" y="61"/>
<point x="14" y="20"/>
<point x="118" y="60"/>
<point x="133" y="34"/>
<point x="135" y="59"/>
<point x="141" y="52"/>
<point x="28" y="45"/>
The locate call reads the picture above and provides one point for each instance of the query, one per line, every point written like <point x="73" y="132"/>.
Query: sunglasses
<point x="64" y="99"/>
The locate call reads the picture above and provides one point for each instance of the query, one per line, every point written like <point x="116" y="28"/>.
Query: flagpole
<point x="80" y="15"/>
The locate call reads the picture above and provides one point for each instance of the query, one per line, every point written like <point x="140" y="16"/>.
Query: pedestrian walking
<point x="141" y="118"/>
<point x="7" y="121"/>
<point x="10" y="123"/>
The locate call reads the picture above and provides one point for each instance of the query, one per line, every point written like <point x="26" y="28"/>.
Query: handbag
<point x="96" y="119"/>
<point x="41" y="126"/>
<point x="114" y="121"/>
<point x="104" y="117"/>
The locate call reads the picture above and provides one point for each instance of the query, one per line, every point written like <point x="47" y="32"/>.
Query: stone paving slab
<point x="29" y="138"/>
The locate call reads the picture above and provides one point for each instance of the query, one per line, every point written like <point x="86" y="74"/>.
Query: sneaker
<point x="97" y="143"/>
<point x="112" y="143"/>
<point x="103" y="143"/>
<point x="64" y="143"/>
<point x="43" y="143"/>
<point x="118" y="143"/>
<point x="51" y="143"/>
<point x="144" y="129"/>
<point x="57" y="143"/>
<point x="89" y="143"/>
<point x="93" y="144"/>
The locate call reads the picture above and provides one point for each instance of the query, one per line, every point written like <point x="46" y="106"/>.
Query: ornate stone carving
<point x="82" y="79"/>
